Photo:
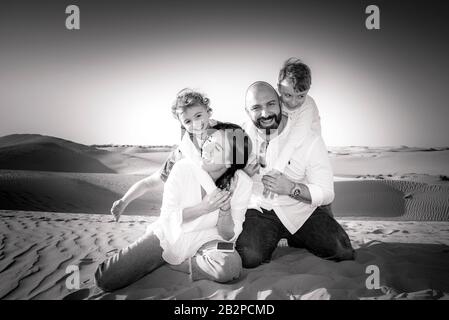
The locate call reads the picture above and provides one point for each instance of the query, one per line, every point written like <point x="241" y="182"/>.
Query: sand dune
<point x="375" y="161"/>
<point x="95" y="193"/>
<point x="71" y="192"/>
<point x="45" y="153"/>
<point x="367" y="191"/>
<point x="48" y="156"/>
<point x="137" y="163"/>
<point x="27" y="139"/>
<point x="391" y="182"/>
<point x="51" y="174"/>
<point x="404" y="200"/>
<point x="36" y="248"/>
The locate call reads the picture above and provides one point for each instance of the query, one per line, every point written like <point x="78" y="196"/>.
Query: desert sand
<point x="37" y="248"/>
<point x="393" y="202"/>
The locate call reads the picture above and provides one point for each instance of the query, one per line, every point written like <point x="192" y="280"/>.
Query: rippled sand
<point x="37" y="248"/>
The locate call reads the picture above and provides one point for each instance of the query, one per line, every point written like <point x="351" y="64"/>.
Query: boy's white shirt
<point x="182" y="189"/>
<point x="188" y="149"/>
<point x="303" y="120"/>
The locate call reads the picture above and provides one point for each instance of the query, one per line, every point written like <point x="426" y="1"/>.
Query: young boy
<point x="193" y="112"/>
<point x="294" y="83"/>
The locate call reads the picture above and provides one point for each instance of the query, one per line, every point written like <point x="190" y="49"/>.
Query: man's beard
<point x="277" y="120"/>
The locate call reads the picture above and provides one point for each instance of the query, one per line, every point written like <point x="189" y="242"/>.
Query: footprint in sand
<point x="384" y="231"/>
<point x="86" y="261"/>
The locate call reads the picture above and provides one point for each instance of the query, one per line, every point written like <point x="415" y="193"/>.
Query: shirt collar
<point x="188" y="149"/>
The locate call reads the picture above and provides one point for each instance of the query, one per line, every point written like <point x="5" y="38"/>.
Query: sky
<point x="114" y="79"/>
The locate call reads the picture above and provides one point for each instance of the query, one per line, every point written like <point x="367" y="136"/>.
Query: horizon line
<point x="439" y="148"/>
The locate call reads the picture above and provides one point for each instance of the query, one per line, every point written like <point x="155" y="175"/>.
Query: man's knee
<point x="341" y="252"/>
<point x="345" y="254"/>
<point x="344" y="246"/>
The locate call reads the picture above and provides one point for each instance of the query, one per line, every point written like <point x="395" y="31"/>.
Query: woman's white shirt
<point x="182" y="189"/>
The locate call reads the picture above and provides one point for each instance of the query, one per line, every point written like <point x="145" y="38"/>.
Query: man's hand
<point x="277" y="182"/>
<point x="117" y="209"/>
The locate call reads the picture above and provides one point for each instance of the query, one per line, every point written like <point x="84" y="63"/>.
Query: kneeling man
<point x="291" y="204"/>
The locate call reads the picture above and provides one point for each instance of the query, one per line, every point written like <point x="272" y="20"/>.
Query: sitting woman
<point x="203" y="204"/>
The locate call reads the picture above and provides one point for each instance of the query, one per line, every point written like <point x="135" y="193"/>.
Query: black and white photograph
<point x="224" y="150"/>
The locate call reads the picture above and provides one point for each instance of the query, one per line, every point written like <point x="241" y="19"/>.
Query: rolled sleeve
<point x="238" y="228"/>
<point x="171" y="210"/>
<point x="239" y="206"/>
<point x="320" y="175"/>
<point x="316" y="195"/>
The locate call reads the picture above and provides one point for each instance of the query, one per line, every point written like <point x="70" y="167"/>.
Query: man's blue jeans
<point x="321" y="234"/>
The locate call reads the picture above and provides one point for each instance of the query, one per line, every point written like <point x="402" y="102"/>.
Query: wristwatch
<point x="295" y="192"/>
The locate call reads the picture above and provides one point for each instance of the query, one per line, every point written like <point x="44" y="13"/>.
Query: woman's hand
<point x="215" y="200"/>
<point x="210" y="203"/>
<point x="117" y="209"/>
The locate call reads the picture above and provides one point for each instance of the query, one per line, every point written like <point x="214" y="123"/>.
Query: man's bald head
<point x="263" y="106"/>
<point x="259" y="89"/>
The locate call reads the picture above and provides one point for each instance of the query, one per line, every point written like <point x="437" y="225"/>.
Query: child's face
<point x="291" y="97"/>
<point x="195" y="119"/>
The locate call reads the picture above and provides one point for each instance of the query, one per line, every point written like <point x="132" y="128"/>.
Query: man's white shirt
<point x="309" y="165"/>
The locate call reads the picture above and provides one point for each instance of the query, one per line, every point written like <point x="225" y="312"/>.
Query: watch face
<point x="296" y="192"/>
